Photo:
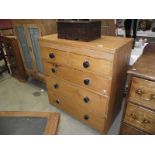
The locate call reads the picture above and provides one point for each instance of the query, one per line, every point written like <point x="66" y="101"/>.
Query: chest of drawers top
<point x="106" y="46"/>
<point x="144" y="67"/>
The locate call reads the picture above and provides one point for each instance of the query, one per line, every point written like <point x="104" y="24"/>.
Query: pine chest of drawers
<point x="86" y="79"/>
<point x="139" y="115"/>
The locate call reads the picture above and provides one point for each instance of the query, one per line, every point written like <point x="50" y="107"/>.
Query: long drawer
<point x="82" y="113"/>
<point x="143" y="92"/>
<point x="141" y="118"/>
<point x="86" y="80"/>
<point x="98" y="66"/>
<point x="86" y="99"/>
<point x="129" y="130"/>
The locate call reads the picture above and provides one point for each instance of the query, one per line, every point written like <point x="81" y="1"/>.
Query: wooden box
<point x="83" y="30"/>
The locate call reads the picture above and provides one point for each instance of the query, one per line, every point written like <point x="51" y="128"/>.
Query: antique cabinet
<point x="86" y="79"/>
<point x="27" y="32"/>
<point x="139" y="114"/>
<point x="14" y="57"/>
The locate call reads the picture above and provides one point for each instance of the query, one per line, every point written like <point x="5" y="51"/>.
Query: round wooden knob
<point x="57" y="101"/>
<point x="53" y="70"/>
<point x="55" y="85"/>
<point x="86" y="64"/>
<point x="86" y="81"/>
<point x="51" y="55"/>
<point x="86" y="117"/>
<point x="86" y="99"/>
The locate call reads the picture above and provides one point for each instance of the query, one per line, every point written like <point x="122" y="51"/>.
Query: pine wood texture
<point x="103" y="62"/>
<point x="140" y="111"/>
<point x="78" y="94"/>
<point x="81" y="78"/>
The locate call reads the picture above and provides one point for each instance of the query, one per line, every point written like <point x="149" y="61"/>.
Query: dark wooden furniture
<point x="86" y="79"/>
<point x="3" y="57"/>
<point x="28" y="123"/>
<point x="14" y="57"/>
<point x="140" y="109"/>
<point x="84" y="30"/>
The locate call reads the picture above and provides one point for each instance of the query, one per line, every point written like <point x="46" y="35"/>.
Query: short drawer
<point x="55" y="56"/>
<point x="70" y="106"/>
<point x="98" y="66"/>
<point x="143" y="92"/>
<point x="86" y="99"/>
<point x="140" y="117"/>
<point x="129" y="130"/>
<point x="87" y="80"/>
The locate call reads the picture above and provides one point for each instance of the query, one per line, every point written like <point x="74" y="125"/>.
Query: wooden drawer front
<point x="73" y="108"/>
<point x="129" y="130"/>
<point x="141" y="118"/>
<point x="89" y="64"/>
<point x="87" y="80"/>
<point x="53" y="55"/>
<point x="84" y="98"/>
<point x="143" y="92"/>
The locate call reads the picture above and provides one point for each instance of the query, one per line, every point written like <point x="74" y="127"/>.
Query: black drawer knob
<point x="86" y="117"/>
<point x="51" y="55"/>
<point x="53" y="70"/>
<point x="86" y="81"/>
<point x="86" y="64"/>
<point x="86" y="99"/>
<point x="55" y="85"/>
<point x="57" y="101"/>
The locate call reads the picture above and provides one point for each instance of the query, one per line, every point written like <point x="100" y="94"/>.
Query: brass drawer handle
<point x="86" y="117"/>
<point x="51" y="55"/>
<point x="140" y="93"/>
<point x="133" y="116"/>
<point x="86" y="81"/>
<point x="56" y="86"/>
<point x="145" y="121"/>
<point x="86" y="99"/>
<point x="86" y="64"/>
